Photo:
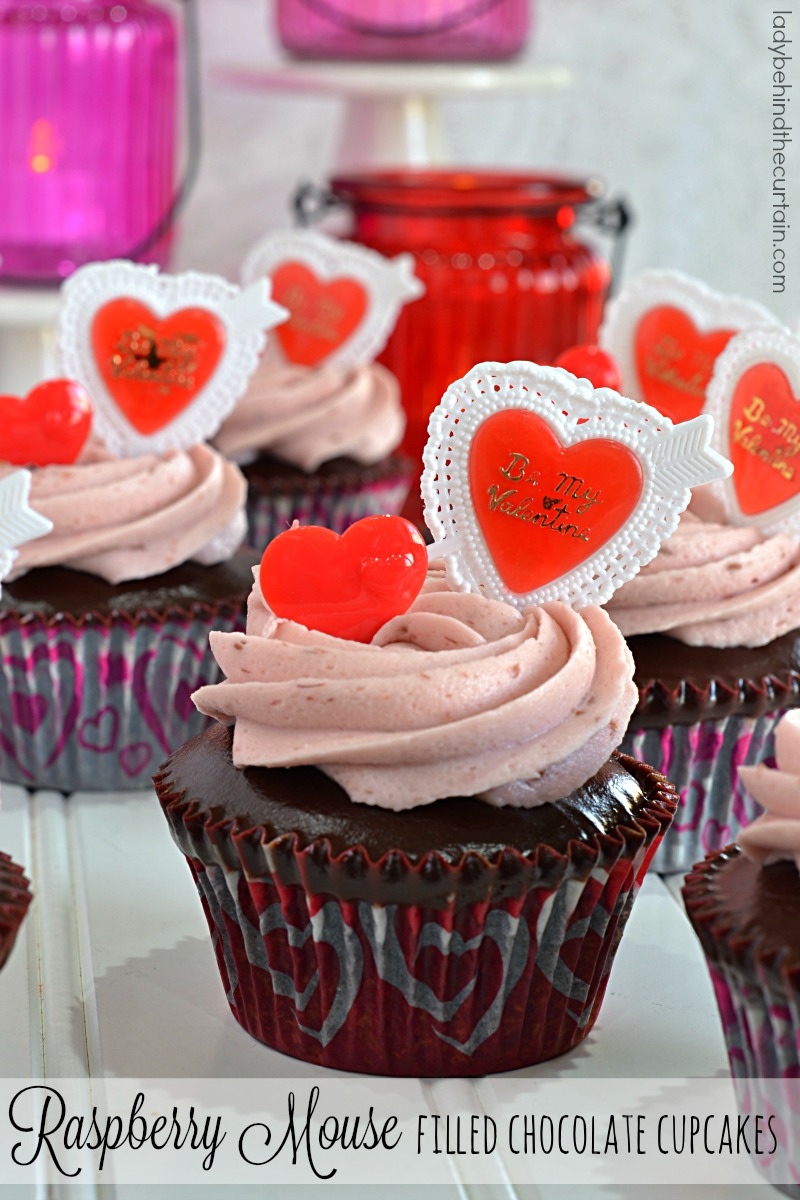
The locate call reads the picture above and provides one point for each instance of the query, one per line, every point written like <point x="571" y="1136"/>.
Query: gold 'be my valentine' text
<point x="749" y="434"/>
<point x="320" y="317"/>
<point x="572" y="498"/>
<point x="670" y="363"/>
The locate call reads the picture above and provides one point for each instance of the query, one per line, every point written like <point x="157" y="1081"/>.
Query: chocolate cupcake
<point x="15" y="897"/>
<point x="744" y="904"/>
<point x="415" y="856"/>
<point x="316" y="444"/>
<point x="104" y="621"/>
<point x="712" y="623"/>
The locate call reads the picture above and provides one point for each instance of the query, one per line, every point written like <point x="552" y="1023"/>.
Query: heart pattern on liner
<point x="540" y="506"/>
<point x="44" y="683"/>
<point x="49" y="425"/>
<point x="666" y="332"/>
<point x="100" y="708"/>
<point x="152" y="367"/>
<point x="314" y="977"/>
<point x="323" y="314"/>
<point x="675" y="360"/>
<point x="165" y="358"/>
<point x="754" y="398"/>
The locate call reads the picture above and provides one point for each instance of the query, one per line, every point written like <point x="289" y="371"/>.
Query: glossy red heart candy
<point x="592" y="363"/>
<point x="347" y="586"/>
<point x="48" y="426"/>
<point x="323" y="313"/>
<point x="543" y="508"/>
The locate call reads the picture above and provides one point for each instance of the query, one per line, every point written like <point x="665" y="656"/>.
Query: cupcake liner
<point x="758" y="997"/>
<point x="15" y="896"/>
<point x="335" y="506"/>
<point x="702" y="761"/>
<point x="511" y="977"/>
<point x="94" y="705"/>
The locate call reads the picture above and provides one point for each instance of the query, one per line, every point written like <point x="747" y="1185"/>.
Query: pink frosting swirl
<point x="776" y="834"/>
<point x="133" y="518"/>
<point x="714" y="585"/>
<point x="459" y="696"/>
<point x="309" y="415"/>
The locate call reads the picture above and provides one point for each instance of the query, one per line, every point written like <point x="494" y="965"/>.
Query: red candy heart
<point x="349" y="585"/>
<point x="674" y="361"/>
<point x="154" y="367"/>
<point x="50" y="425"/>
<point x="592" y="363"/>
<point x="324" y="315"/>
<point x="544" y="508"/>
<point x="764" y="435"/>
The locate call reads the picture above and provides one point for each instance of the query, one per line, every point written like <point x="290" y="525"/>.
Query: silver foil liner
<point x="702" y="761"/>
<point x="96" y="707"/>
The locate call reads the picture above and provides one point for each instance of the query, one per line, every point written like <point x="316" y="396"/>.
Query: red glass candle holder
<point x="414" y="30"/>
<point x="88" y="111"/>
<point x="506" y="275"/>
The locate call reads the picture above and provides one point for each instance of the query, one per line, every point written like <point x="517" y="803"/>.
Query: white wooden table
<point x="113" y="975"/>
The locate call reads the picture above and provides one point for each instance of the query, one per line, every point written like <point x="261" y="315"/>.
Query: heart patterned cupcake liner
<point x="510" y="970"/>
<point x="702" y="761"/>
<point x="94" y="704"/>
<point x="15" y="897"/>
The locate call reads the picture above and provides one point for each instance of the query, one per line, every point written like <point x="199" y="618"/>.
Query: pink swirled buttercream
<point x="310" y="415"/>
<point x="714" y="585"/>
<point x="459" y="696"/>
<point x="133" y="518"/>
<point x="776" y="834"/>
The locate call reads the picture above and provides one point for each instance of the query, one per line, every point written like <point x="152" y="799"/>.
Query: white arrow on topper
<point x="539" y="487"/>
<point x="18" y="521"/>
<point x="343" y="298"/>
<point x="164" y="357"/>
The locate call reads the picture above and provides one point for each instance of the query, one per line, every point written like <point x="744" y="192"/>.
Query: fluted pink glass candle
<point x="87" y="134"/>
<point x="466" y="30"/>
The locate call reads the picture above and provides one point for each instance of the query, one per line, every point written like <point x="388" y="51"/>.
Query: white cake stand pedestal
<point x="393" y="110"/>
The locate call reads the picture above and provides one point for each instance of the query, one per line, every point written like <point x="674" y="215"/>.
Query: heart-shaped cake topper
<point x="48" y="426"/>
<point x="164" y="357"/>
<point x="539" y="487"/>
<point x="18" y="521"/>
<point x="343" y="299"/>
<point x="754" y="398"/>
<point x="666" y="331"/>
<point x="346" y="585"/>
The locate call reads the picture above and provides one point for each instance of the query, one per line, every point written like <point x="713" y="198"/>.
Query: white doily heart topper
<point x="754" y="399"/>
<point x="539" y="487"/>
<point x="666" y="331"/>
<point x="18" y="521"/>
<point x="343" y="299"/>
<point x="164" y="357"/>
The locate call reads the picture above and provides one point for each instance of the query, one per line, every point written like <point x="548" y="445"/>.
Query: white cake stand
<point x="393" y="110"/>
